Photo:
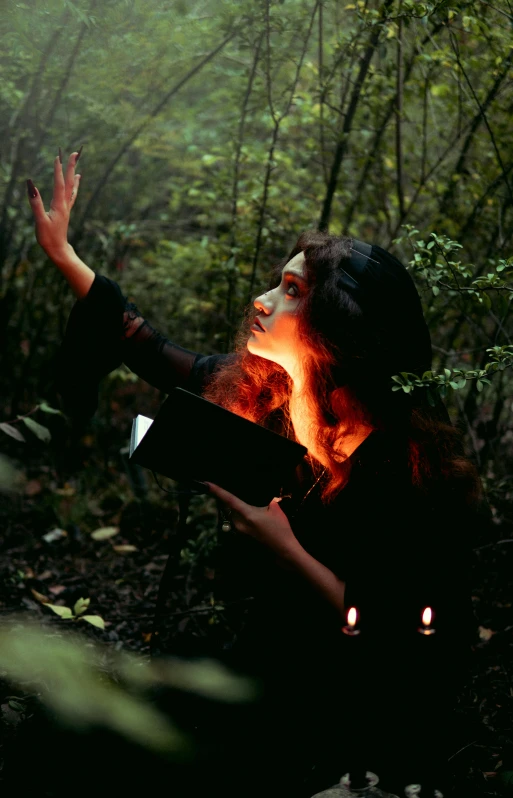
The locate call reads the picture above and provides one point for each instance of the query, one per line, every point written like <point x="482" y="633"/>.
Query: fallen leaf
<point x="56" y="590"/>
<point x="29" y="573"/>
<point x="125" y="549"/>
<point x="105" y="532"/>
<point x="485" y="634"/>
<point x="67" y="490"/>
<point x="33" y="487"/>
<point x="55" y="534"/>
<point x="153" y="566"/>
<point x="45" y="575"/>
<point x="40" y="597"/>
<point x="146" y="636"/>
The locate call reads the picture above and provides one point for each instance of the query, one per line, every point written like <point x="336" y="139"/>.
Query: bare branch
<point x="113" y="163"/>
<point x="236" y="171"/>
<point x="398" y="113"/>
<point x="480" y="117"/>
<point x="321" y="97"/>
<point x="348" y="121"/>
<point x="274" y="140"/>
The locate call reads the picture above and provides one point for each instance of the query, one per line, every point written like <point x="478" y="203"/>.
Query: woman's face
<point x="277" y="313"/>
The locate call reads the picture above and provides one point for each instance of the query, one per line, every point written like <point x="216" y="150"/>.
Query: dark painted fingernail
<point x="79" y="154"/>
<point x="60" y="155"/>
<point x="31" y="189"/>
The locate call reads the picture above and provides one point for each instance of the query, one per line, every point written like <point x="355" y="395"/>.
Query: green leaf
<point x="47" y="409"/>
<point x="81" y="605"/>
<point x="435" y="289"/>
<point x="479" y="385"/>
<point x="94" y="620"/>
<point x="12" y="431"/>
<point x="41" y="432"/>
<point x="105" y="532"/>
<point x="62" y="612"/>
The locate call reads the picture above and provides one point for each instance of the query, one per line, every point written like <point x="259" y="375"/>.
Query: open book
<point x="192" y="439"/>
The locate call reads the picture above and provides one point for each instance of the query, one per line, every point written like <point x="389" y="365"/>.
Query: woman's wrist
<point x="77" y="273"/>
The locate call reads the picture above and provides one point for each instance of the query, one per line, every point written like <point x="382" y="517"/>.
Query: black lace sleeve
<point x="103" y="331"/>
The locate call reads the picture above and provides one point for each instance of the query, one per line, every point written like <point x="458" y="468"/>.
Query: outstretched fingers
<point x="71" y="185"/>
<point x="36" y="202"/>
<point x="58" y="186"/>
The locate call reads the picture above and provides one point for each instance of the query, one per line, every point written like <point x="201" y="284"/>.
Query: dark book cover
<point x="193" y="439"/>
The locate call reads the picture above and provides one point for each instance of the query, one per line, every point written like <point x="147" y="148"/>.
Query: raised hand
<point x="52" y="225"/>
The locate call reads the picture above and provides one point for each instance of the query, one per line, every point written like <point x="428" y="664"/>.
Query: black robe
<point x="389" y="692"/>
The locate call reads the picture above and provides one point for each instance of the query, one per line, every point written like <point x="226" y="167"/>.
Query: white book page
<point x="144" y="423"/>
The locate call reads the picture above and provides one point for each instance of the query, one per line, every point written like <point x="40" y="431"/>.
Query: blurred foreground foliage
<point x="89" y="686"/>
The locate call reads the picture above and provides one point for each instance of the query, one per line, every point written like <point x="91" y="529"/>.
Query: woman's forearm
<point x="77" y="273"/>
<point x="321" y="578"/>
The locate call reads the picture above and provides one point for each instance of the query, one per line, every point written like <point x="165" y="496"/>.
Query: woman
<point x="379" y="515"/>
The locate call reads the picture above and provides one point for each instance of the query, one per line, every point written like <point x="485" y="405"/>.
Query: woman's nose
<point x="262" y="302"/>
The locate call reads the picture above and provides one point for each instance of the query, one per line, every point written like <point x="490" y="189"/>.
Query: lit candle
<point x="350" y="627"/>
<point x="427" y="617"/>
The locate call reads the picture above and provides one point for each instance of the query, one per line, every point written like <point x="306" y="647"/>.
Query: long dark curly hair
<point x="351" y="352"/>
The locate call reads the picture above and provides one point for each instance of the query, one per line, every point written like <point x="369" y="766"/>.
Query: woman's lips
<point x="257" y="326"/>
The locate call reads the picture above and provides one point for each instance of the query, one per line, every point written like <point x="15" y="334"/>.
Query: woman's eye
<point x="296" y="289"/>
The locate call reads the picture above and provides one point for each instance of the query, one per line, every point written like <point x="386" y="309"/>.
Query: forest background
<point x="213" y="133"/>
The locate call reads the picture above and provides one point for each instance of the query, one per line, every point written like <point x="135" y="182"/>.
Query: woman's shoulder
<point x="204" y="368"/>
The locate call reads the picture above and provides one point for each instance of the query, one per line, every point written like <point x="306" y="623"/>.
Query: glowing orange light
<point x="427" y="616"/>
<point x="352" y="616"/>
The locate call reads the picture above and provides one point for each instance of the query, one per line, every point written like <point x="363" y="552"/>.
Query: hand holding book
<point x="267" y="525"/>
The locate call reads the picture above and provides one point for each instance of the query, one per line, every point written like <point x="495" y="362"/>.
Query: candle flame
<point x="427" y="616"/>
<point x="351" y="616"/>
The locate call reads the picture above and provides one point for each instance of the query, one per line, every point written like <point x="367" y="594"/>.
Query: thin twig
<point x="156" y="110"/>
<point x="399" y="114"/>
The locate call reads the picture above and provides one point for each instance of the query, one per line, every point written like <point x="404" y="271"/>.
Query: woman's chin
<point x="254" y="348"/>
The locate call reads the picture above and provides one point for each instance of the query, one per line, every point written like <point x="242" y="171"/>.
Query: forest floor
<point x="121" y="576"/>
